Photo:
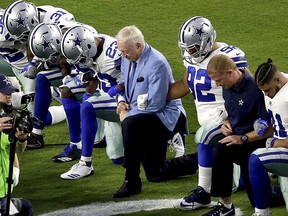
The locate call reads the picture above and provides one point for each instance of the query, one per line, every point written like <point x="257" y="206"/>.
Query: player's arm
<point x="64" y="67"/>
<point x="281" y="143"/>
<point x="178" y="89"/>
<point x="92" y="86"/>
<point x="253" y="136"/>
<point x="29" y="53"/>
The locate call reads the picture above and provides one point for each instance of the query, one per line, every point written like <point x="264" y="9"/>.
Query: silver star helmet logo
<point x="46" y="44"/>
<point x="20" y="21"/>
<point x="199" y="31"/>
<point x="77" y="41"/>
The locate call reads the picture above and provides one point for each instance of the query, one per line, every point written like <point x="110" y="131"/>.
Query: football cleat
<point x="198" y="198"/>
<point x="70" y="153"/>
<point x="34" y="141"/>
<point x="176" y="144"/>
<point x="79" y="170"/>
<point x="221" y="210"/>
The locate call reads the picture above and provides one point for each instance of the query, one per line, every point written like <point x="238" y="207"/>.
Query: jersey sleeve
<point x="53" y="15"/>
<point x="236" y="54"/>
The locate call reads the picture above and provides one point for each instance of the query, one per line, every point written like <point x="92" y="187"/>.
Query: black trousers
<point x="222" y="171"/>
<point x="145" y="141"/>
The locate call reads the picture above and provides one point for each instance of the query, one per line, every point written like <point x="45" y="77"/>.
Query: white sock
<point x="58" y="114"/>
<point x="262" y="211"/>
<point x="86" y="159"/>
<point x="204" y="178"/>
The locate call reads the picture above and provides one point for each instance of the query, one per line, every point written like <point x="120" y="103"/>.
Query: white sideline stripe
<point x="114" y="208"/>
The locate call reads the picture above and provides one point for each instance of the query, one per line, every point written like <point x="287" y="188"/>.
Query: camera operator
<point x="18" y="206"/>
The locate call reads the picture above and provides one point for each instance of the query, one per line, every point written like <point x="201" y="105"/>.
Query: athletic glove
<point x="78" y="79"/>
<point x="72" y="81"/>
<point x="113" y="90"/>
<point x="270" y="142"/>
<point x="33" y="68"/>
<point x="29" y="70"/>
<point x="67" y="79"/>
<point x="260" y="126"/>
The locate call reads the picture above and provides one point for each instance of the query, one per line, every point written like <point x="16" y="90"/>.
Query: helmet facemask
<point x="54" y="58"/>
<point x="83" y="59"/>
<point x="78" y="46"/>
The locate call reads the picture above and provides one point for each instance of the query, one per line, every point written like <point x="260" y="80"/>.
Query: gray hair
<point x="131" y="34"/>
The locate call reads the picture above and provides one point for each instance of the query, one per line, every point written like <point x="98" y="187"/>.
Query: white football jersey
<point x="207" y="96"/>
<point x="108" y="63"/>
<point x="277" y="108"/>
<point x="53" y="15"/>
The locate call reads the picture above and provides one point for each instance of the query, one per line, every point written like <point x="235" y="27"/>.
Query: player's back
<point x="53" y="15"/>
<point x="207" y="95"/>
<point x="65" y="25"/>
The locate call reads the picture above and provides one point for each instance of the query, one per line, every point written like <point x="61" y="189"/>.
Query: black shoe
<point x="198" y="198"/>
<point x="128" y="188"/>
<point x="34" y="141"/>
<point x="70" y="153"/>
<point x="221" y="210"/>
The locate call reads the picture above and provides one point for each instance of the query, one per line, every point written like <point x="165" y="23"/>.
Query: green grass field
<point x="258" y="27"/>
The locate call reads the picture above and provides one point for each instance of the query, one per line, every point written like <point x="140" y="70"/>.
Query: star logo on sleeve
<point x="241" y="102"/>
<point x="77" y="41"/>
<point x="20" y="21"/>
<point x="46" y="44"/>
